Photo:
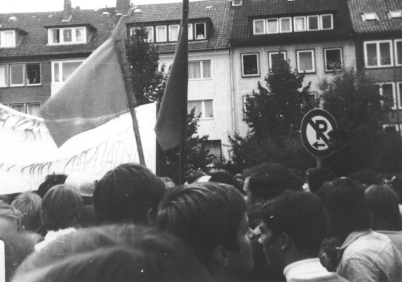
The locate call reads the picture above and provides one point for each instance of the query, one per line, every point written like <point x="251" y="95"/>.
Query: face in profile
<point x="241" y="261"/>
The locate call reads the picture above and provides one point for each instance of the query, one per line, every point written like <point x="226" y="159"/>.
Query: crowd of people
<point x="266" y="224"/>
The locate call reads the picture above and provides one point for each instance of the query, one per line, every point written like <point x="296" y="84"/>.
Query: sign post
<point x="314" y="132"/>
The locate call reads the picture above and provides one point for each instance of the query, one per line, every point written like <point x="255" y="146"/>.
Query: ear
<point x="285" y="241"/>
<point x="150" y="218"/>
<point x="222" y="255"/>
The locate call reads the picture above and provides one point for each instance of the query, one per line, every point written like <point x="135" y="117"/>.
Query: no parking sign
<point x="314" y="132"/>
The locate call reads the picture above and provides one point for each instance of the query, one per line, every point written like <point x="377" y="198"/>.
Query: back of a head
<point x="203" y="215"/>
<point x="225" y="178"/>
<point x="365" y="177"/>
<point x="346" y="207"/>
<point x="51" y="180"/>
<point x="301" y="216"/>
<point x="317" y="177"/>
<point x="127" y="193"/>
<point x="383" y="205"/>
<point x="114" y="253"/>
<point x="61" y="207"/>
<point x="30" y="205"/>
<point x="270" y="180"/>
<point x="10" y="218"/>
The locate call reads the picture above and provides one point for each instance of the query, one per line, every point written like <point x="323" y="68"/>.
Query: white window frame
<point x="60" y="63"/>
<point x="274" y="53"/>
<point x="397" y="56"/>
<point x="393" y="14"/>
<point x="23" y="74"/>
<point x="277" y="25"/>
<point x="380" y="84"/>
<point x="2" y="36"/>
<point x="369" y="16"/>
<point x="73" y="36"/>
<point x="377" y="42"/>
<point x="27" y="105"/>
<point x="202" y="69"/>
<point x="308" y="23"/>
<point x="237" y="3"/>
<point x="6" y="75"/>
<point x="242" y="65"/>
<point x="290" y="25"/>
<point x="325" y="58"/>
<point x="202" y="117"/>
<point x="178" y="32"/>
<point x="150" y="33"/>
<point x="304" y="23"/>
<point x="156" y="29"/>
<point x="312" y="57"/>
<point x="263" y="22"/>
<point x="190" y="31"/>
<point x="399" y="93"/>
<point x="321" y="22"/>
<point x="205" y="30"/>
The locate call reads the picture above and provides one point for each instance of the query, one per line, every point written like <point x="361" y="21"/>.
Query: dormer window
<point x="174" y="32"/>
<point x="161" y="33"/>
<point x="395" y="14"/>
<point x="237" y="2"/>
<point x="313" y="23"/>
<point x="369" y="16"/>
<point x="327" y="22"/>
<point x="200" y="31"/>
<point x="70" y="35"/>
<point x="7" y="39"/>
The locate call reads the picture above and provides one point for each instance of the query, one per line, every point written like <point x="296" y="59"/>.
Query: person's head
<point x="316" y="177"/>
<point x="61" y="207"/>
<point x="121" y="253"/>
<point x="293" y="227"/>
<point x="128" y="193"/>
<point x="365" y="178"/>
<point x="10" y="219"/>
<point x="87" y="217"/>
<point x="30" y="205"/>
<point x="51" y="180"/>
<point x="383" y="203"/>
<point x="169" y="182"/>
<point x="337" y="138"/>
<point x="346" y="207"/>
<point x="211" y="220"/>
<point x="192" y="177"/>
<point x="269" y="181"/>
<point x="226" y="178"/>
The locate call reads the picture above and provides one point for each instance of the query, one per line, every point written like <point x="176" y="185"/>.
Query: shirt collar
<point x="353" y="237"/>
<point x="305" y="269"/>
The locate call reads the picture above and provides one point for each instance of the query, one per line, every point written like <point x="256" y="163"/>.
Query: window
<point x="18" y="107"/>
<point x="21" y="74"/>
<point x="7" y="39"/>
<point x="199" y="69"/>
<point x="398" y="52"/>
<point x="71" y="35"/>
<point x="305" y="61"/>
<point x="333" y="59"/>
<point x="30" y="108"/>
<point x="62" y="70"/>
<point x="173" y="32"/>
<point x="150" y="31"/>
<point x="272" y="26"/>
<point x="259" y="26"/>
<point x="387" y="91"/>
<point x="399" y="88"/>
<point x="299" y="24"/>
<point x="161" y="34"/>
<point x="275" y="57"/>
<point x="200" y="31"/>
<point x="395" y="14"/>
<point x="285" y="24"/>
<point x="237" y="2"/>
<point x="203" y="107"/>
<point x="312" y="99"/>
<point x="378" y="54"/>
<point x="250" y="65"/>
<point x="327" y="22"/>
<point x="215" y="147"/>
<point x="369" y="17"/>
<point x="190" y="32"/>
<point x="312" y="23"/>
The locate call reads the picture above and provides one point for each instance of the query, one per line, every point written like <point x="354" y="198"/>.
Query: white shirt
<point x="305" y="269"/>
<point x="52" y="235"/>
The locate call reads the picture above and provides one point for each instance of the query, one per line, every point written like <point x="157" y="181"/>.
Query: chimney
<point x="122" y="6"/>
<point x="67" y="11"/>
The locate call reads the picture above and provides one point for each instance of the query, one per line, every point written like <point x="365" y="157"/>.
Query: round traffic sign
<point x="314" y="132"/>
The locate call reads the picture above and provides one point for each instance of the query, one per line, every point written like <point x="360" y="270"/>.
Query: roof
<point x="218" y="11"/>
<point x="36" y="39"/>
<point x="381" y="8"/>
<point x="251" y="9"/>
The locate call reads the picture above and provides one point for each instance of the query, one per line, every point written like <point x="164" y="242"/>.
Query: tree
<point x="149" y="84"/>
<point x="274" y="116"/>
<point x="354" y="100"/>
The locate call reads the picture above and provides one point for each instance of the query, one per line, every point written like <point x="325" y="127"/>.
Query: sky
<point x="23" y="6"/>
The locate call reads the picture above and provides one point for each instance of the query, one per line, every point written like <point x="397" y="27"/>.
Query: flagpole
<point x="182" y="160"/>
<point x="132" y="102"/>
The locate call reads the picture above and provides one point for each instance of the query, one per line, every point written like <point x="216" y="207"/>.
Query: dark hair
<point x="339" y="134"/>
<point x="226" y="178"/>
<point x="383" y="203"/>
<point x="396" y="183"/>
<point x="11" y="215"/>
<point x="51" y="180"/>
<point x="114" y="253"/>
<point x="301" y="216"/>
<point x="61" y="207"/>
<point x="169" y="182"/>
<point x="192" y="177"/>
<point x="127" y="193"/>
<point x="346" y="207"/>
<point x="87" y="217"/>
<point x="270" y="180"/>
<point x="316" y="177"/>
<point x="367" y="177"/>
<point x="30" y="205"/>
<point x="204" y="215"/>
